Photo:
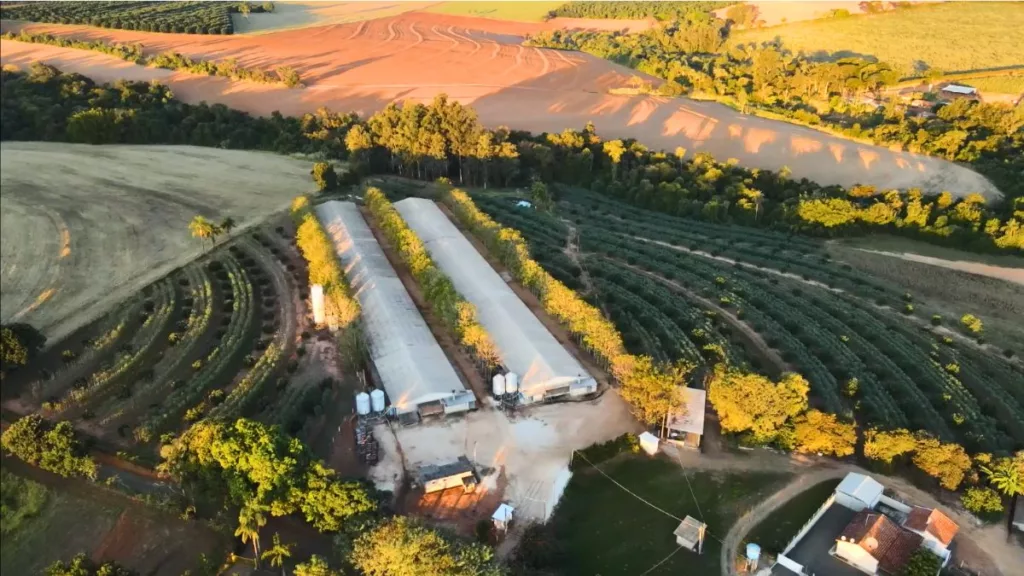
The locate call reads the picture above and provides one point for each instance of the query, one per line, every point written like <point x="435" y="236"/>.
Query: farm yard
<point x="355" y="65"/>
<point x="114" y="218"/>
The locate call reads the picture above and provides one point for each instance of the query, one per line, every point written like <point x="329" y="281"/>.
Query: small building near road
<point x="1018" y="518"/>
<point x="690" y="534"/>
<point x="434" y="478"/>
<point x="959" y="91"/>
<point x="872" y="542"/>
<point x="937" y="529"/>
<point x="502" y="517"/>
<point x="858" y="492"/>
<point x="686" y="426"/>
<point x="648" y="443"/>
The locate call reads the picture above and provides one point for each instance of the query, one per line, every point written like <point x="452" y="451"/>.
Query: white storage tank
<point x="316" y="297"/>
<point x="377" y="398"/>
<point x="511" y="383"/>
<point x="362" y="403"/>
<point x="498" y="385"/>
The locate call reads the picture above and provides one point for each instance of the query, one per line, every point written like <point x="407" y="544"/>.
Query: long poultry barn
<point x="408" y="361"/>
<point x="545" y="369"/>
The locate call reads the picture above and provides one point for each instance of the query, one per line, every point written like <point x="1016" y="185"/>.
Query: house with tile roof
<point x="874" y="544"/>
<point x="936" y="529"/>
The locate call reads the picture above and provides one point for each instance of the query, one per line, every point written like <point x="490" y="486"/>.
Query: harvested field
<point x="776" y="13"/>
<point x="362" y="67"/>
<point x="111" y="219"/>
<point x="290" y="15"/>
<point x="954" y="36"/>
<point x="521" y="11"/>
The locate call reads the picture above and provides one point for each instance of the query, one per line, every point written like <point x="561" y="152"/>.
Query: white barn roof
<point x="862" y="487"/>
<point x="410" y="362"/>
<point x="692" y="420"/>
<point x="959" y="89"/>
<point x="524" y="345"/>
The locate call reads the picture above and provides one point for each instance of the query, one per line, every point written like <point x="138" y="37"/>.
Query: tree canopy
<point x="259" y="468"/>
<point x="82" y="565"/>
<point x="885" y="445"/>
<point x="51" y="447"/>
<point x="819" y="433"/>
<point x="748" y="402"/>
<point x="946" y="462"/>
<point x="399" y="546"/>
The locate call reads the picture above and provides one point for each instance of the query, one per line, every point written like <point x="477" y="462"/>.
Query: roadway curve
<point x="362" y="67"/>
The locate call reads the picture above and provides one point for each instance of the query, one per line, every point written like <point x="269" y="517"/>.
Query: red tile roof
<point x="933" y="522"/>
<point x="890" y="544"/>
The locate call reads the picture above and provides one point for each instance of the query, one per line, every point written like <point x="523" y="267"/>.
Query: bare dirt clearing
<point x="362" y="67"/>
<point x="84" y="227"/>
<point x="531" y="449"/>
<point x="1015" y="275"/>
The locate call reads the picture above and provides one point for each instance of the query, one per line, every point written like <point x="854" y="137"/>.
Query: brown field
<point x="775" y="13"/>
<point x="84" y="227"/>
<point x="79" y="517"/>
<point x="291" y="15"/>
<point x="363" y="66"/>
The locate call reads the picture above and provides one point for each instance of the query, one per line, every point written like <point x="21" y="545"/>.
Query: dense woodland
<point x="180" y="17"/>
<point x="635" y="10"/>
<point x="844" y="95"/>
<point x="446" y="139"/>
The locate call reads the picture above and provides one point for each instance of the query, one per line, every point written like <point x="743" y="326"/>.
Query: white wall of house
<point x="857" y="557"/>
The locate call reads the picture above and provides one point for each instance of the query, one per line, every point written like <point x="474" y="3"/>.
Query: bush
<point x="982" y="500"/>
<point x="597" y="453"/>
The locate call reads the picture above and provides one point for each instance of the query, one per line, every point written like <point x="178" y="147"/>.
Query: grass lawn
<point x="954" y="37"/>
<point x="604" y="530"/>
<point x="21" y="499"/>
<point x="518" y="11"/>
<point x="64" y="526"/>
<point x="782" y="525"/>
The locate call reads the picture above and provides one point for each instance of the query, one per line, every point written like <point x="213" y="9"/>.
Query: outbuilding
<point x="437" y="477"/>
<point x="858" y="492"/>
<point x="686" y="426"/>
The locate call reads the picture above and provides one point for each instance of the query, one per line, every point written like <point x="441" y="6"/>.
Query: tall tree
<point x="751" y="402"/>
<point x="1007" y="475"/>
<point x="398" y="546"/>
<point x="277" y="553"/>
<point x="315" y="566"/>
<point x="250" y="520"/>
<point x="203" y="229"/>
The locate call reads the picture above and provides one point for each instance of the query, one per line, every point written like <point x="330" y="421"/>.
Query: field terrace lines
<point x="354" y="67"/>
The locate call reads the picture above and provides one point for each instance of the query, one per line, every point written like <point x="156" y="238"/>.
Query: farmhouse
<point x="860" y="530"/>
<point x="406" y="358"/>
<point x="545" y="369"/>
<point x="686" y="426"/>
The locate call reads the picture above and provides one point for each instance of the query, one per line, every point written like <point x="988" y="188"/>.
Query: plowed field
<point x="363" y="66"/>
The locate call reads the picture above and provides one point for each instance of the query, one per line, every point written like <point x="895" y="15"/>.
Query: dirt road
<point x="83" y="227"/>
<point x="363" y="66"/>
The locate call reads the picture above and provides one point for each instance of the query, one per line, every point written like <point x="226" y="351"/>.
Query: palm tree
<point x="277" y="553"/>
<point x="1008" y="477"/>
<point x="203" y="229"/>
<point x="227" y="225"/>
<point x="250" y="520"/>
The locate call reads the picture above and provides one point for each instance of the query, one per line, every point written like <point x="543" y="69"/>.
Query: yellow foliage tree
<point x="819" y="433"/>
<point x="322" y="260"/>
<point x="886" y="445"/>
<point x="751" y="402"/>
<point x="947" y="462"/>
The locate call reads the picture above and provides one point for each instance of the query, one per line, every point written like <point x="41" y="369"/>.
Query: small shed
<point x="858" y="491"/>
<point x="502" y="517"/>
<point x="435" y="478"/>
<point x="690" y="534"/>
<point x="686" y="426"/>
<point x="959" y="90"/>
<point x="648" y="443"/>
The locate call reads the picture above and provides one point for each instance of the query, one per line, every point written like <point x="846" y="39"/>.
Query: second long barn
<point x="545" y="368"/>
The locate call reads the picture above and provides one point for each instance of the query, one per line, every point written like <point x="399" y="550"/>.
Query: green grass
<point x="782" y="525"/>
<point x="20" y="501"/>
<point x="955" y="37"/>
<point x="997" y="84"/>
<point x="604" y="530"/>
<point x="897" y="244"/>
<point x="519" y="11"/>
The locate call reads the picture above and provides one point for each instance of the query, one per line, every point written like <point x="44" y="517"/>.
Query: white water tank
<point x="498" y="385"/>
<point x="377" y="398"/>
<point x="316" y="298"/>
<point x="362" y="403"/>
<point x="511" y="383"/>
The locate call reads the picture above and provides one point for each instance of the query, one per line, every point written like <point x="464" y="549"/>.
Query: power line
<point x="688" y="485"/>
<point x="665" y="559"/>
<point x="634" y="494"/>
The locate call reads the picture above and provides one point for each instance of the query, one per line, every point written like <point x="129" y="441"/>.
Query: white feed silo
<point x="316" y="298"/>
<point x="362" y="403"/>
<point x="511" y="383"/>
<point x="377" y="398"/>
<point x="498" y="385"/>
